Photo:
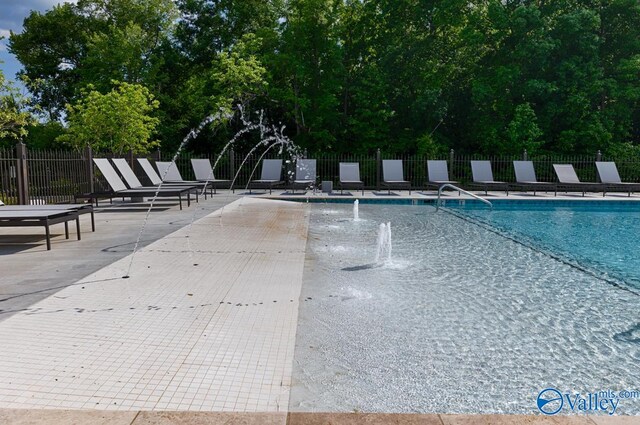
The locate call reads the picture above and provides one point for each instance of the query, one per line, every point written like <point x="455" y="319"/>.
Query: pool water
<point x="602" y="236"/>
<point x="466" y="318"/>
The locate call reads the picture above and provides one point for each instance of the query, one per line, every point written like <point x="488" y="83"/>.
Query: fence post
<point x="131" y="159"/>
<point x="452" y="155"/>
<point x="21" y="174"/>
<point x="599" y="156"/>
<point x="525" y="156"/>
<point x="232" y="163"/>
<point x="378" y="168"/>
<point x="88" y="155"/>
<point x="157" y="155"/>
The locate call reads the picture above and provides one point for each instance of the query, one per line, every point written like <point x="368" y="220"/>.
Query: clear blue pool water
<point x="477" y="312"/>
<point x="600" y="236"/>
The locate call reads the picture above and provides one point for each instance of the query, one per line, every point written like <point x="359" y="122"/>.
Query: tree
<point x="93" y="42"/>
<point x="51" y="49"/>
<point x="235" y="76"/>
<point x="117" y="122"/>
<point x="14" y="120"/>
<point x="308" y="69"/>
<point x="523" y="131"/>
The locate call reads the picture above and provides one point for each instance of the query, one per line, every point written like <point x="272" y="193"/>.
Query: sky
<point x="12" y="13"/>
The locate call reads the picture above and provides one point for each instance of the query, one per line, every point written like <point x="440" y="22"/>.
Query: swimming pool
<point x="599" y="236"/>
<point x="477" y="312"/>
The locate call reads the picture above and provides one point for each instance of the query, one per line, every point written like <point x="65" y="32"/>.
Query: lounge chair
<point x="42" y="218"/>
<point x="526" y="178"/>
<point x="132" y="181"/>
<point x="78" y="208"/>
<point x="568" y="180"/>
<point x="305" y="174"/>
<point x="270" y="177"/>
<point x="204" y="173"/>
<point x="350" y="176"/>
<point x="393" y="175"/>
<point x="438" y="172"/>
<point x="170" y="174"/>
<point x="608" y="174"/>
<point x="118" y="188"/>
<point x="483" y="177"/>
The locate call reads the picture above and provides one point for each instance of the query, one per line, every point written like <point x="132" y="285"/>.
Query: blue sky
<point x="12" y="13"/>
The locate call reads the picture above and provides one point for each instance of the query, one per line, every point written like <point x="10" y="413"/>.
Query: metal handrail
<point x="460" y="190"/>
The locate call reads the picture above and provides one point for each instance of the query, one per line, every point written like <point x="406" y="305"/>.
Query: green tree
<point x="307" y="71"/>
<point x="523" y="131"/>
<point x="117" y="122"/>
<point x="50" y="49"/>
<point x="14" y="120"/>
<point x="91" y="42"/>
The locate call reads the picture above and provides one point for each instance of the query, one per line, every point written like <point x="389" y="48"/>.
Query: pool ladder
<point x="460" y="191"/>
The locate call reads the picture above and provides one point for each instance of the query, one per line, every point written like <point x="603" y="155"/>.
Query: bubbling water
<point x="383" y="250"/>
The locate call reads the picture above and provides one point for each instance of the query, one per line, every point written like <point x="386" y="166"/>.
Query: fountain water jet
<point x="192" y="135"/>
<point x="383" y="250"/>
<point x="356" y="213"/>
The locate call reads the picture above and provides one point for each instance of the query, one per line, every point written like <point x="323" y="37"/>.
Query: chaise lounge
<point x="270" y="177"/>
<point x="393" y="175"/>
<point x="40" y="218"/>
<point x="526" y="178"/>
<point x="608" y="174"/>
<point x="350" y="176"/>
<point x="305" y="174"/>
<point x="483" y="177"/>
<point x="170" y="174"/>
<point x="118" y="188"/>
<point x="568" y="180"/>
<point x="204" y="173"/>
<point x="438" y="174"/>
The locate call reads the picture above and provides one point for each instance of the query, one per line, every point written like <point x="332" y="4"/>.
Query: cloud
<point x="3" y="42"/>
<point x="13" y="12"/>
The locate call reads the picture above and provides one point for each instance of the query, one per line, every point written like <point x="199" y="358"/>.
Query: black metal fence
<point x="46" y="177"/>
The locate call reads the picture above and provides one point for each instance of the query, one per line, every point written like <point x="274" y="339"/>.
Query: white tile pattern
<point x="206" y="322"/>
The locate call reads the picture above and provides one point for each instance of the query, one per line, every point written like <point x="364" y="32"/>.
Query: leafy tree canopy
<point x="405" y="76"/>
<point x="118" y="121"/>
<point x="14" y="120"/>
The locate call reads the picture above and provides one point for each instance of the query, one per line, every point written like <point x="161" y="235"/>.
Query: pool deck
<point x="202" y="330"/>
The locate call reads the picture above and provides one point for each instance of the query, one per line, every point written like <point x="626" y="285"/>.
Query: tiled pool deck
<point x="204" y="327"/>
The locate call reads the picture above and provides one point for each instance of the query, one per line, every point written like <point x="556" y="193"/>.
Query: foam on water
<point x="475" y="322"/>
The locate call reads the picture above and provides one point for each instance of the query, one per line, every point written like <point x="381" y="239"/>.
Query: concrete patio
<point x="202" y="331"/>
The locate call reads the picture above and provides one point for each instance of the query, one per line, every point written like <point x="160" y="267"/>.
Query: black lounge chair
<point x="483" y="177"/>
<point x="608" y="174"/>
<point x="438" y="173"/>
<point x="526" y="178"/>
<point x="305" y="174"/>
<point x="78" y="208"/>
<point x="568" y="180"/>
<point x="132" y="181"/>
<point x="270" y="177"/>
<point x="40" y="218"/>
<point x="350" y="176"/>
<point x="203" y="171"/>
<point x="393" y="175"/>
<point x="118" y="188"/>
<point x="170" y="175"/>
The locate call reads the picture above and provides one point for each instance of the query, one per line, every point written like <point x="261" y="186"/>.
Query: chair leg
<point x="48" y="234"/>
<point x="93" y="222"/>
<point x="66" y="230"/>
<point x="78" y="228"/>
